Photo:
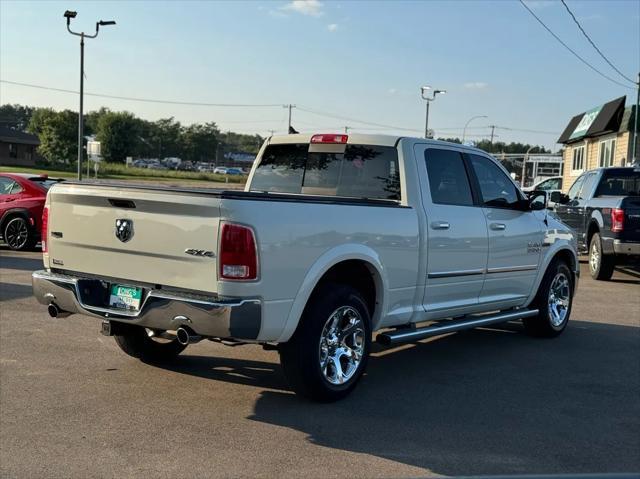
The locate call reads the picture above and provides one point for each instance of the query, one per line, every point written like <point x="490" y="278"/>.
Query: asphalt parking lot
<point x="488" y="401"/>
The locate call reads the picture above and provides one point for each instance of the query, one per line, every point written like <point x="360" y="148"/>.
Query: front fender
<point x="558" y="239"/>
<point x="323" y="264"/>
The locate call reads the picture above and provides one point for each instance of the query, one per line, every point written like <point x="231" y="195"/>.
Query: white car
<point x="548" y="185"/>
<point x="335" y="237"/>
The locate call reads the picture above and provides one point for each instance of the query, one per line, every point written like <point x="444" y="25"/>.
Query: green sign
<point x="585" y="123"/>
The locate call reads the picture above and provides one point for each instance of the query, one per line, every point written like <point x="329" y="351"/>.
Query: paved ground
<point x="480" y="402"/>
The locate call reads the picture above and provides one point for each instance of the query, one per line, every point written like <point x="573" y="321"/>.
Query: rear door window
<point x="448" y="180"/>
<point x="362" y="171"/>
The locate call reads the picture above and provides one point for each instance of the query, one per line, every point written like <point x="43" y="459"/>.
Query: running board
<point x="450" y="326"/>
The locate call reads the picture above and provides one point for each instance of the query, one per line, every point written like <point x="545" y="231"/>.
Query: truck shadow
<point x="9" y="291"/>
<point x="487" y="401"/>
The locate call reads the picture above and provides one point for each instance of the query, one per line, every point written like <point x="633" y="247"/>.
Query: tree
<point x="16" y="116"/>
<point x="199" y="142"/>
<point x="118" y="134"/>
<point x="58" y="134"/>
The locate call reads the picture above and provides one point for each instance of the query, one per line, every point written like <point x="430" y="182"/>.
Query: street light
<point x="464" y="131"/>
<point x="69" y="14"/>
<point x="424" y="92"/>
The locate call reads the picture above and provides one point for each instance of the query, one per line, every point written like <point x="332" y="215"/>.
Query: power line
<point x="593" y="44"/>
<point x="144" y="100"/>
<point x="571" y="50"/>
<point x="338" y="117"/>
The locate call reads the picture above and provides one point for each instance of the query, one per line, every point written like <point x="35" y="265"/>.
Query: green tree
<point x="118" y="134"/>
<point x="16" y="116"/>
<point x="199" y="142"/>
<point x="58" y="134"/>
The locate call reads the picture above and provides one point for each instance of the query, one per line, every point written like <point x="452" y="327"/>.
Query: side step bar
<point x="450" y="326"/>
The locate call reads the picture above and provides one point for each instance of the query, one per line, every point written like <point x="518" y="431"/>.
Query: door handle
<point x="498" y="226"/>
<point x="439" y="225"/>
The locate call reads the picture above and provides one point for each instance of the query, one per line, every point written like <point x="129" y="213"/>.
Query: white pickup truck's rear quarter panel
<point x="165" y="224"/>
<point x="296" y="241"/>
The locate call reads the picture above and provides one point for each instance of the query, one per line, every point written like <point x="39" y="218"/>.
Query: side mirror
<point x="559" y="198"/>
<point x="537" y="200"/>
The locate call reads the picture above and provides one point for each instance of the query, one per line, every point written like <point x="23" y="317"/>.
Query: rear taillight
<point x="44" y="230"/>
<point x="238" y="259"/>
<point x="329" y="138"/>
<point x="617" y="220"/>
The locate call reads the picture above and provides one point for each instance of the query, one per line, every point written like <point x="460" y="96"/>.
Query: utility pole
<point x="424" y="93"/>
<point x="634" y="154"/>
<point x="289" y="106"/>
<point x="69" y="15"/>
<point x="493" y="128"/>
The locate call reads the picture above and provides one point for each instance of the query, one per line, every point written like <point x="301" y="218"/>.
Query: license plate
<point x="125" y="297"/>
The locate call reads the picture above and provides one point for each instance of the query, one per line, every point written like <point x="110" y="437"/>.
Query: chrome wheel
<point x="342" y="345"/>
<point x="16" y="234"/>
<point x="594" y="256"/>
<point x="559" y="297"/>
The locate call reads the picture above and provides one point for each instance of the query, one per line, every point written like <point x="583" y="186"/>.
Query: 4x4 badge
<point x="124" y="230"/>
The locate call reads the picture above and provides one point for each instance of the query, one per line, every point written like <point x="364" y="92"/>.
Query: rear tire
<point x="600" y="265"/>
<point x="136" y="342"/>
<point x="553" y="300"/>
<point x="18" y="234"/>
<point x="328" y="353"/>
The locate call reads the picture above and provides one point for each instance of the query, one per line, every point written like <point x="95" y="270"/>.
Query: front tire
<point x="327" y="355"/>
<point x="553" y="301"/>
<point x="18" y="234"/>
<point x="600" y="265"/>
<point x="136" y="342"/>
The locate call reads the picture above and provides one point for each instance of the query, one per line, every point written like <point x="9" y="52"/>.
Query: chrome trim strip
<point x="510" y="269"/>
<point x="452" y="274"/>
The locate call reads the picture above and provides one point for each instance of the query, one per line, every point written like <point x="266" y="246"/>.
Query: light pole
<point x="69" y="15"/>
<point x="464" y="131"/>
<point x="524" y="166"/>
<point x="424" y="92"/>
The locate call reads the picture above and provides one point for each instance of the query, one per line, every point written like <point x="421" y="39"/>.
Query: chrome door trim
<point x="510" y="269"/>
<point x="451" y="274"/>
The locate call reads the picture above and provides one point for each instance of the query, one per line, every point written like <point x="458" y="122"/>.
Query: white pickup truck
<point x="335" y="237"/>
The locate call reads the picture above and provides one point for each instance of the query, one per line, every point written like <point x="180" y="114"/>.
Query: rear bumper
<point x="206" y="316"/>
<point x="620" y="247"/>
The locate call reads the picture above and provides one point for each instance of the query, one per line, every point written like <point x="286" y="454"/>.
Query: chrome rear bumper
<point x="206" y="316"/>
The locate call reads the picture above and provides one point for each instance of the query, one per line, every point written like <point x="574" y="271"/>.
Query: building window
<point x="13" y="150"/>
<point x="606" y="152"/>
<point x="578" y="159"/>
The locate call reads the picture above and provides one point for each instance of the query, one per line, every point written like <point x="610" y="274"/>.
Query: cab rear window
<point x="620" y="183"/>
<point x="362" y="171"/>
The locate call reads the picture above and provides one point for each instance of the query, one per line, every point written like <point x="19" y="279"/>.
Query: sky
<point x="361" y="61"/>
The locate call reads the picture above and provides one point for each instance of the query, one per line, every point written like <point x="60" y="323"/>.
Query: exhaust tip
<point x="183" y="336"/>
<point x="53" y="310"/>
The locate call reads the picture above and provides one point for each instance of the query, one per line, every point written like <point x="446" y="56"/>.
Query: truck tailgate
<point x="631" y="207"/>
<point x="165" y="224"/>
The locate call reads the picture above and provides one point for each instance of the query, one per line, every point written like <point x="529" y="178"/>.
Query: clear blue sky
<point x="358" y="59"/>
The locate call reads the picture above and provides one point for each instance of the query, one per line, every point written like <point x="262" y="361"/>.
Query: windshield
<point x="620" y="183"/>
<point x="362" y="171"/>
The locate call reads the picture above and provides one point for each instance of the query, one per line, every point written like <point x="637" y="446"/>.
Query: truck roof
<point x="365" y="139"/>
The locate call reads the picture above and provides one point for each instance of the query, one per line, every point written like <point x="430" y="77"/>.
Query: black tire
<point x="301" y="356"/>
<point x="546" y="324"/>
<point x="18" y="234"/>
<point x="600" y="265"/>
<point x="135" y="341"/>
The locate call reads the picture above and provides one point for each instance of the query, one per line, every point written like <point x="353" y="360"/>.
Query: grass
<point x="116" y="171"/>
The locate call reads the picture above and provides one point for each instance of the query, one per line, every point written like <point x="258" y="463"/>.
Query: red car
<point x="22" y="199"/>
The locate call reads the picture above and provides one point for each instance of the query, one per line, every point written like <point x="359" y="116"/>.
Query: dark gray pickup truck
<point x="603" y="208"/>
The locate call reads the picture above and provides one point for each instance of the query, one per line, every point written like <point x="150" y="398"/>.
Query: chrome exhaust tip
<point x="186" y="336"/>
<point x="56" y="312"/>
<point x="53" y="310"/>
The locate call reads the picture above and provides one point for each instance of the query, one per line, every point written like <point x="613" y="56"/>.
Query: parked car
<point x="22" y="198"/>
<point x="220" y="170"/>
<point x="548" y="185"/>
<point x="335" y="237"/>
<point x="603" y="208"/>
<point x="234" y="171"/>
